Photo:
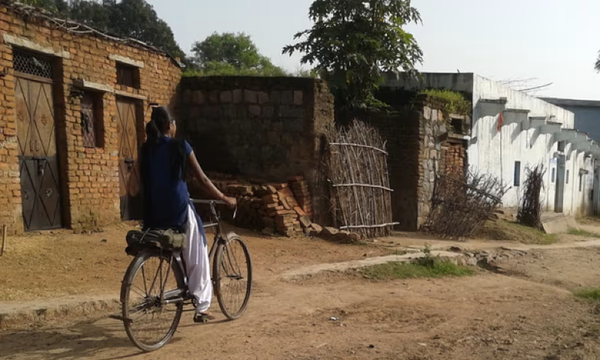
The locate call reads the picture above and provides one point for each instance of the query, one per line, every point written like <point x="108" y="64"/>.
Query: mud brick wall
<point x="269" y="128"/>
<point x="89" y="177"/>
<point x="454" y="159"/>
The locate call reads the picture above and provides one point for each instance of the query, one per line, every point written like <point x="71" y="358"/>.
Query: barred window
<point x="32" y="64"/>
<point x="92" y="128"/>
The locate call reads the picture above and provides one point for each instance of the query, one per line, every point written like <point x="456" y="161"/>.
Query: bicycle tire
<point x="134" y="268"/>
<point x="217" y="272"/>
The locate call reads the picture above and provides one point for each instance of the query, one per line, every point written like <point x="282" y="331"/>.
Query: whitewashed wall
<point x="495" y="152"/>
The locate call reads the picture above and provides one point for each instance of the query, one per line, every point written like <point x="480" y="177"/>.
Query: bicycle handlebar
<point x="213" y="202"/>
<point x="209" y="202"/>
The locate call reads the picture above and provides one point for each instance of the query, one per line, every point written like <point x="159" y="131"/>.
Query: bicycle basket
<point x="169" y="240"/>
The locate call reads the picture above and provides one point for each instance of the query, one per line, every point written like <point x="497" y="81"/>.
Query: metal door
<point x="560" y="184"/>
<point x="38" y="163"/>
<point x="127" y="131"/>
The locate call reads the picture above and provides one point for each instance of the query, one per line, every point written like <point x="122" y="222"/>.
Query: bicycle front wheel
<point x="152" y="299"/>
<point x="232" y="276"/>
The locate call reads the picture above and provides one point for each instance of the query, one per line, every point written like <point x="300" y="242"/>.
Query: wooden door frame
<point x="59" y="118"/>
<point x="140" y="131"/>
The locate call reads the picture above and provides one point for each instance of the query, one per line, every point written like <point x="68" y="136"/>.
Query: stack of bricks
<point x="267" y="207"/>
<point x="302" y="195"/>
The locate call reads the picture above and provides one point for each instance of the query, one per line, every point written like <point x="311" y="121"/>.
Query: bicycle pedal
<point x="202" y="319"/>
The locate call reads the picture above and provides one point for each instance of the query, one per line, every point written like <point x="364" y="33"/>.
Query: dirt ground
<point x="62" y="263"/>
<point x="527" y="313"/>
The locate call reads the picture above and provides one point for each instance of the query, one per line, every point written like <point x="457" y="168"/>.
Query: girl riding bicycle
<point x="164" y="164"/>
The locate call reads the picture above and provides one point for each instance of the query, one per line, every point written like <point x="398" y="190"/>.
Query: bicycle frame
<point x="218" y="231"/>
<point x="183" y="295"/>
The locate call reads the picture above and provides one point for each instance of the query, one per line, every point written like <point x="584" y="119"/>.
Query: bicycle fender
<point x="230" y="236"/>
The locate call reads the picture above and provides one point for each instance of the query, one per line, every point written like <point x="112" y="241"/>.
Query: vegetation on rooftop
<point x="454" y="102"/>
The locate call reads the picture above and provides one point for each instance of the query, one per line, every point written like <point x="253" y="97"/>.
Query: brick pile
<point x="271" y="208"/>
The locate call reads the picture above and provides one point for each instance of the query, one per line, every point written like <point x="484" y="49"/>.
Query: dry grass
<point x="62" y="263"/>
<point x="511" y="231"/>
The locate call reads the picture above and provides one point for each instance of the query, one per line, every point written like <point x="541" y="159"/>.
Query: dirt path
<point x="531" y="315"/>
<point x="486" y="316"/>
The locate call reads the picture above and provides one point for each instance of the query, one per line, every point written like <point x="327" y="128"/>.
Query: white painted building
<point x="532" y="132"/>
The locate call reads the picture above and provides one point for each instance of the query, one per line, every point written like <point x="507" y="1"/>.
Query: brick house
<point x="73" y="103"/>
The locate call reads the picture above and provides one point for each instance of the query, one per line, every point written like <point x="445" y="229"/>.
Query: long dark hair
<point x="159" y="119"/>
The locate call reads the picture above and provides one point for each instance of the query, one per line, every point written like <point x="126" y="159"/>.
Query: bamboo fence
<point x="360" y="187"/>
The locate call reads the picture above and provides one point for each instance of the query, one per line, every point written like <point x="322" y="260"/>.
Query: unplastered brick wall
<point x="269" y="128"/>
<point x="454" y="159"/>
<point x="89" y="177"/>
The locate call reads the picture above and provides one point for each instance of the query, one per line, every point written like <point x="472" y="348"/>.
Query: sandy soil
<point x="529" y="314"/>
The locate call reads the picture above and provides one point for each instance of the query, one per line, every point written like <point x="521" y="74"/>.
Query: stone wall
<point x="268" y="128"/>
<point x="89" y="177"/>
<point x="431" y="127"/>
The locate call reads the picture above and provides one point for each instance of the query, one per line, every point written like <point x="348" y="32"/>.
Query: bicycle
<point x="160" y="295"/>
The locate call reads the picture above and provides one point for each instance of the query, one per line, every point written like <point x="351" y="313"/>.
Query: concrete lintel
<point x="515" y="116"/>
<point x="565" y="135"/>
<point x="551" y="128"/>
<point x="583" y="145"/>
<point x="126" y="60"/>
<point x="130" y="95"/>
<point x="490" y="107"/>
<point x="30" y="45"/>
<point x="501" y="100"/>
<point x="88" y="85"/>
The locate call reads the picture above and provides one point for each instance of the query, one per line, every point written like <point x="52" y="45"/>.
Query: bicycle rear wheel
<point x="232" y="276"/>
<point x="152" y="299"/>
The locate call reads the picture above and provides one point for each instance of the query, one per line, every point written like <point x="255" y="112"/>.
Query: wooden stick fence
<point x="357" y="170"/>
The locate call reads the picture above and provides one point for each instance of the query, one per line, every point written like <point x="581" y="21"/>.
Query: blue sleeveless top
<point x="166" y="197"/>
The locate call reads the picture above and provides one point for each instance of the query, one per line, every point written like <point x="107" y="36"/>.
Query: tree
<point x="128" y="18"/>
<point x="353" y="41"/>
<point x="597" y="66"/>
<point x="232" y="54"/>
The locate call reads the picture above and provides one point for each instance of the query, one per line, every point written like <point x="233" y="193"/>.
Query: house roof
<point x="29" y="13"/>
<point x="572" y="102"/>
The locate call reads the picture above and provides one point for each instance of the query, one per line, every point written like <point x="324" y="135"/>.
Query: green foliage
<point x="426" y="266"/>
<point x="127" y="18"/>
<point x="398" y="270"/>
<point x="231" y="54"/>
<point x="592" y="294"/>
<point x="352" y="42"/>
<point x="579" y="232"/>
<point x="312" y="73"/>
<point x="454" y="102"/>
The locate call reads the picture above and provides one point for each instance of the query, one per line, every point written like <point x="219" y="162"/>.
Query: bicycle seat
<point x="170" y="240"/>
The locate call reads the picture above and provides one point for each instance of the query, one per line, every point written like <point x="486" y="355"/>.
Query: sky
<point x="546" y="41"/>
